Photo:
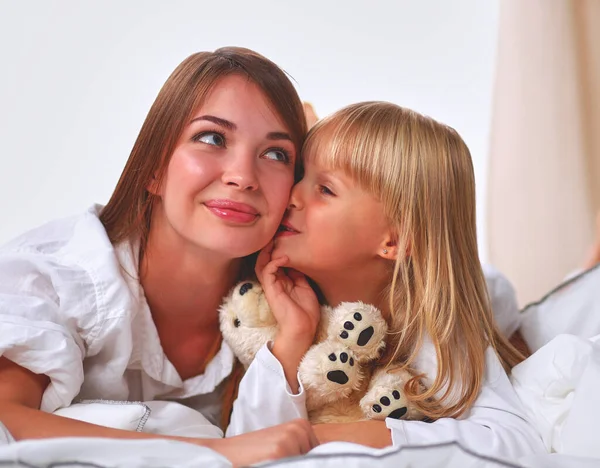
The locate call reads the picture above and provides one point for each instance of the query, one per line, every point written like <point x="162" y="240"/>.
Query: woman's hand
<point x="295" y="307"/>
<point x="284" y="440"/>
<point x="371" y="433"/>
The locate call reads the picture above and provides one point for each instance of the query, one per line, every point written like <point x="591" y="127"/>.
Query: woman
<point x="120" y="303"/>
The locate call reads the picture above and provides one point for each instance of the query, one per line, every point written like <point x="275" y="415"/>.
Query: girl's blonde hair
<point x="422" y="172"/>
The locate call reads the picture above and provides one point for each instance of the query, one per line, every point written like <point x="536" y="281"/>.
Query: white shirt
<point x="72" y="308"/>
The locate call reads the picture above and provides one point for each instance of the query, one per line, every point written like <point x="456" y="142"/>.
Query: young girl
<point x="385" y="214"/>
<point x="120" y="303"/>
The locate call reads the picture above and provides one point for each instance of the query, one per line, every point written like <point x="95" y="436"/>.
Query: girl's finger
<point x="264" y="257"/>
<point x="274" y="265"/>
<point x="297" y="277"/>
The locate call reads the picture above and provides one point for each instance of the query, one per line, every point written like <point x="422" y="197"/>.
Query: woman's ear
<point x="154" y="186"/>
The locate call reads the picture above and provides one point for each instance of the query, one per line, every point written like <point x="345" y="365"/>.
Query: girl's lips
<point x="233" y="211"/>
<point x="285" y="233"/>
<point x="286" y="229"/>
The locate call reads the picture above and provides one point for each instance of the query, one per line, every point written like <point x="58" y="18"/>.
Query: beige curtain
<point x="544" y="172"/>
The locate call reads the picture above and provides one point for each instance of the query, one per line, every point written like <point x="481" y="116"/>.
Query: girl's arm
<point x="270" y="392"/>
<point x="494" y="426"/>
<point x="21" y="394"/>
<point x="371" y="433"/>
<point x="265" y="397"/>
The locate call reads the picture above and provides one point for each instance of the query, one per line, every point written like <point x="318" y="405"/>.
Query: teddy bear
<point x="337" y="371"/>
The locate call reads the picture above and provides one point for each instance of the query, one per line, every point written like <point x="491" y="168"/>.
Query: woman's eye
<point x="211" y="138"/>
<point x="278" y="155"/>
<point x="324" y="190"/>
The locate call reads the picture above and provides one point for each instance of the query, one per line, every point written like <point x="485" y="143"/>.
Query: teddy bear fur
<point x="336" y="371"/>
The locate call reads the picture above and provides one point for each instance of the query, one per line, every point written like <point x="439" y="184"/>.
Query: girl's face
<point x="332" y="224"/>
<point x="228" y="181"/>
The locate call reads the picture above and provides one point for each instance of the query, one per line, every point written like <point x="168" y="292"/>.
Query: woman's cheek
<point x="281" y="195"/>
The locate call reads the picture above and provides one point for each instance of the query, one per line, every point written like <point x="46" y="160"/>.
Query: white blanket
<point x="100" y="453"/>
<point x="572" y="307"/>
<point x="558" y="386"/>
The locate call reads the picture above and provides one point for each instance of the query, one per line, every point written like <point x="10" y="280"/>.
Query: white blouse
<point x="72" y="308"/>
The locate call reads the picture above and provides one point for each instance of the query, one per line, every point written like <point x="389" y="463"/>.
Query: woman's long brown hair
<point x="128" y="213"/>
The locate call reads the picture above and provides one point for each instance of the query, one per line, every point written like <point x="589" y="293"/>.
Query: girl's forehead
<point x="320" y="155"/>
<point x="322" y="168"/>
<point x="319" y="163"/>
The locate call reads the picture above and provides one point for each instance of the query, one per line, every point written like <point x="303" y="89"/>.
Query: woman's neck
<point x="183" y="285"/>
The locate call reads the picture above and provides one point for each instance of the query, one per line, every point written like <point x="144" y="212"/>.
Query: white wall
<point x="77" y="78"/>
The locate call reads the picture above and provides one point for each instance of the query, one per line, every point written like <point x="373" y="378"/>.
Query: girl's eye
<point x="211" y="138"/>
<point x="278" y="154"/>
<point x="324" y="190"/>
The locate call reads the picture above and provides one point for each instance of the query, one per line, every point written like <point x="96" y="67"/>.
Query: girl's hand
<point x="295" y="307"/>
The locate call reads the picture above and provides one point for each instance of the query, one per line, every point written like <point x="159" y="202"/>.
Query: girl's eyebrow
<point x="333" y="177"/>
<point x="233" y="127"/>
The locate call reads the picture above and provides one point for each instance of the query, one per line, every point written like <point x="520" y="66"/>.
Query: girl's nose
<point x="296" y="197"/>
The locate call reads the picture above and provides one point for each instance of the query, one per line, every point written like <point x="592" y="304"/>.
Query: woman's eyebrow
<point x="278" y="136"/>
<point x="231" y="126"/>
<point x="217" y="120"/>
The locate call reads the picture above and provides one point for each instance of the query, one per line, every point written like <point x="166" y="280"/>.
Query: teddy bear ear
<point x="245" y="287"/>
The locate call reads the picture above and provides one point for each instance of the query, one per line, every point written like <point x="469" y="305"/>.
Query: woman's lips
<point x="233" y="211"/>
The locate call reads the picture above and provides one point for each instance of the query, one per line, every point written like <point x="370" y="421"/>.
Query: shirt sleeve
<point x="36" y="334"/>
<point x="496" y="424"/>
<point x="264" y="397"/>
<point x="503" y="299"/>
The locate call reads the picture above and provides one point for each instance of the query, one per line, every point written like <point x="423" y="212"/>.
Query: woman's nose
<point x="241" y="173"/>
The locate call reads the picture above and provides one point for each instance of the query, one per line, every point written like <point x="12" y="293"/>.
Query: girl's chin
<point x="278" y="250"/>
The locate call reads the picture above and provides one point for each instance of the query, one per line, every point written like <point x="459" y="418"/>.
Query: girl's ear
<point x="388" y="251"/>
<point x="389" y="247"/>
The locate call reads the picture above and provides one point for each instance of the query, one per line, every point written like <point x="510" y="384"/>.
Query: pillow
<point x="127" y="415"/>
<point x="155" y="417"/>
<point x="171" y="418"/>
<point x="573" y="307"/>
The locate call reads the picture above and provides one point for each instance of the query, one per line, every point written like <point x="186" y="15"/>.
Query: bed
<point x="558" y="385"/>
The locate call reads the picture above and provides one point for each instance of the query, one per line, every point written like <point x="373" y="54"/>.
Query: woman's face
<point x="228" y="181"/>
<point x="332" y="224"/>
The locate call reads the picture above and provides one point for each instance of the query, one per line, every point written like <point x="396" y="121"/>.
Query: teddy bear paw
<point x="360" y="327"/>
<point x="386" y="399"/>
<point x="329" y="371"/>
<point x="386" y="404"/>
